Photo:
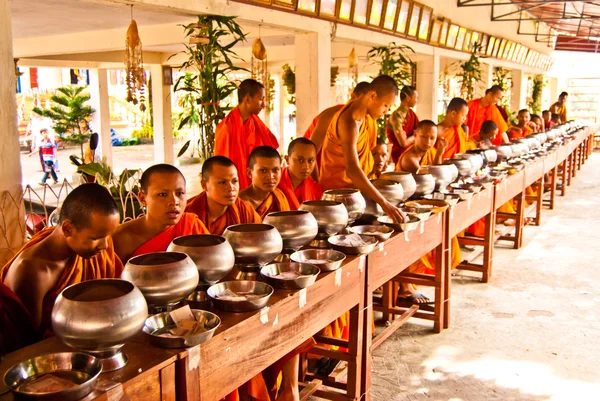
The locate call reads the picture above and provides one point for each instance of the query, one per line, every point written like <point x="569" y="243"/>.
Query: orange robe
<point x="235" y="139"/>
<point x="241" y="212"/>
<point x="104" y="265"/>
<point x="457" y="142"/>
<point x="409" y="125"/>
<point x="16" y="326"/>
<point x="275" y="202"/>
<point x="309" y="132"/>
<point x="188" y="224"/>
<point x="307" y="190"/>
<point x="518" y="132"/>
<point x="561" y="110"/>
<point x="478" y="115"/>
<point x="333" y="167"/>
<point x="428" y="157"/>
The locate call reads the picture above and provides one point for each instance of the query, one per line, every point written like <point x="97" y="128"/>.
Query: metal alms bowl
<point x="351" y="198"/>
<point x="425" y="184"/>
<point x="382" y="233"/>
<point x="325" y="259"/>
<point x="465" y="167"/>
<point x="163" y="277"/>
<point x="261" y="291"/>
<point x="297" y="228"/>
<point x="331" y="216"/>
<point x="76" y="367"/>
<point x="435" y="206"/>
<point x="308" y="276"/>
<point x="369" y="244"/>
<point x="392" y="191"/>
<point x="98" y="317"/>
<point x="504" y="152"/>
<point x="198" y="299"/>
<point x="254" y="245"/>
<point x="407" y="181"/>
<point x="212" y="254"/>
<point x="453" y="169"/>
<point x="410" y="225"/>
<point x="475" y="159"/>
<point x="442" y="174"/>
<point x="421" y="213"/>
<point x="157" y="325"/>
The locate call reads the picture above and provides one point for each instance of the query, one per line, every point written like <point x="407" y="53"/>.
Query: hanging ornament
<point x="353" y="66"/>
<point x="134" y="66"/>
<point x="258" y="62"/>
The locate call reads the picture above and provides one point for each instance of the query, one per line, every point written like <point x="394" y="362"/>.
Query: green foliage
<point x="146" y="132"/>
<point x="205" y="84"/>
<point x="470" y="74"/>
<point x="502" y="78"/>
<point x="271" y="94"/>
<point x="535" y="103"/>
<point x="289" y="81"/>
<point x="70" y="114"/>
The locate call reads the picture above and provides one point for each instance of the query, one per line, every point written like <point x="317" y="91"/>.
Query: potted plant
<point x="470" y="74"/>
<point x="535" y="101"/>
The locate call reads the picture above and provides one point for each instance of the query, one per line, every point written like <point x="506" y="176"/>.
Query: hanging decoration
<point x="258" y="62"/>
<point x="134" y="66"/>
<point x="353" y="66"/>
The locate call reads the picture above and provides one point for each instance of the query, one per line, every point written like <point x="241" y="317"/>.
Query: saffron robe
<point x="16" y="326"/>
<point x="478" y="114"/>
<point x="561" y="110"/>
<point x="518" y="132"/>
<point x="307" y="190"/>
<point x="457" y="142"/>
<point x="428" y="157"/>
<point x="188" y="224"/>
<point x="309" y="132"/>
<point x="409" y="124"/>
<point x="275" y="202"/>
<point x="333" y="167"/>
<point x="241" y="212"/>
<point x="235" y="139"/>
<point x="104" y="265"/>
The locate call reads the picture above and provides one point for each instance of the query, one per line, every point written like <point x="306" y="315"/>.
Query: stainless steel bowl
<point x="435" y="206"/>
<point x="450" y="199"/>
<point x="331" y="216"/>
<point x="453" y="169"/>
<point x="198" y="299"/>
<point x="212" y="255"/>
<point x="425" y="184"/>
<point x="475" y="159"/>
<point x="156" y="326"/>
<point x="382" y="233"/>
<point x="257" y="288"/>
<point x="254" y="245"/>
<point x="369" y="245"/>
<point x="98" y="317"/>
<point x="410" y="225"/>
<point x="461" y="194"/>
<point x="421" y="213"/>
<point x="475" y="188"/>
<point x="164" y="278"/>
<point x="409" y="186"/>
<point x="297" y="228"/>
<point x="351" y="198"/>
<point x="308" y="276"/>
<point x="465" y="168"/>
<point x="504" y="152"/>
<point x="325" y="259"/>
<point x="442" y="174"/>
<point x="490" y="155"/>
<point x="392" y="191"/>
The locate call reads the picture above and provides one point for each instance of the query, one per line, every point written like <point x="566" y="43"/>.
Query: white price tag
<point x="439" y="217"/>
<point x="361" y="263"/>
<point x="406" y="236"/>
<point x="422" y="227"/>
<point x="338" y="277"/>
<point x="302" y="298"/>
<point x="264" y="315"/>
<point x="469" y="204"/>
<point x="193" y="358"/>
<point x="381" y="246"/>
<point x="479" y="195"/>
<point x="276" y="320"/>
<point x="451" y="212"/>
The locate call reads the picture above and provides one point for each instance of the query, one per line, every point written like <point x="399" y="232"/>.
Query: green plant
<point x="146" y="132"/>
<point x="205" y="84"/>
<point x="289" y="81"/>
<point x="502" y="78"/>
<point x="535" y="103"/>
<point x="470" y="74"/>
<point x="70" y="114"/>
<point x="271" y="94"/>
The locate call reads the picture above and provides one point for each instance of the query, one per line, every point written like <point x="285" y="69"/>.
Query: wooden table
<point x="149" y="375"/>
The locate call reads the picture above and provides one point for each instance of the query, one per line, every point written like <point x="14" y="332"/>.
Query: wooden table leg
<point x="570" y="170"/>
<point x="387" y="300"/>
<point x="488" y="248"/>
<point x="554" y="175"/>
<point x="539" y="201"/>
<point x="563" y="177"/>
<point x="167" y="383"/>
<point x="519" y="220"/>
<point x="367" y="338"/>
<point x="443" y="267"/>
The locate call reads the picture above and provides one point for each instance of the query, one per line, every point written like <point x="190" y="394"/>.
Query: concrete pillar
<point x="487" y="76"/>
<point x="313" y="63"/>
<point x="282" y="114"/>
<point x="518" y="98"/>
<point x="553" y="91"/>
<point x="428" y="73"/>
<point x="163" y="124"/>
<point x="12" y="227"/>
<point x="101" y="119"/>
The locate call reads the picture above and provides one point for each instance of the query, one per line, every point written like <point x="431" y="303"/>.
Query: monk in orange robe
<point x="484" y="109"/>
<point x="163" y="195"/>
<point x="381" y="157"/>
<point x="524" y="127"/>
<point x="80" y="248"/>
<point x="450" y="129"/>
<point x="264" y="171"/>
<point x="403" y="122"/>
<point x="346" y="158"/>
<point x="16" y="326"/>
<point x="242" y="130"/>
<point x="296" y="182"/>
<point x="560" y="107"/>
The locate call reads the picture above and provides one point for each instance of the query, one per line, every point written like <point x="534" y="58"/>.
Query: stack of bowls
<point x="331" y="217"/>
<point x="409" y="185"/>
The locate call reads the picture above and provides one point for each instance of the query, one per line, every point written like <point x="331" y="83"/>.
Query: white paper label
<point x="438" y="196"/>
<point x="451" y="212"/>
<point x="439" y="216"/>
<point x="422" y="227"/>
<point x="276" y="320"/>
<point x="380" y="249"/>
<point x="302" y="298"/>
<point x="479" y="195"/>
<point x="469" y="204"/>
<point x="406" y="236"/>
<point x="361" y="262"/>
<point x="264" y="315"/>
<point x="338" y="277"/>
<point x="193" y="358"/>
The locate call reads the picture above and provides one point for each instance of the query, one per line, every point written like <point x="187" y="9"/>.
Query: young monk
<point x="484" y="109"/>
<point x="560" y="107"/>
<point x="539" y="123"/>
<point x="555" y="119"/>
<point x="264" y="171"/>
<point x="296" y="182"/>
<point x="422" y="152"/>
<point x="547" y="117"/>
<point x="450" y="128"/>
<point x="346" y="157"/>
<point x="163" y="195"/>
<point x="80" y="248"/>
<point x="488" y="132"/>
<point x="381" y="156"/>
<point x="242" y="130"/>
<point x="219" y="206"/>
<point x="524" y="127"/>
<point x="403" y="122"/>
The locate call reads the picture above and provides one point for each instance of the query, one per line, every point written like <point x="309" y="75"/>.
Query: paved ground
<point x="532" y="333"/>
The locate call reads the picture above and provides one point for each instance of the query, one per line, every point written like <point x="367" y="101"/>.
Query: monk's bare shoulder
<point x="244" y="195"/>
<point x="30" y="273"/>
<point x="127" y="236"/>
<point x="327" y="114"/>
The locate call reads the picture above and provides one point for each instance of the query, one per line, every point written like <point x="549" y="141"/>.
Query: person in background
<point x="539" y="123"/>
<point x="296" y="182"/>
<point x="547" y="117"/>
<point x="556" y="120"/>
<point x="524" y="126"/>
<point x="425" y="150"/>
<point x="48" y="150"/>
<point x="488" y="132"/>
<point x="484" y="109"/>
<point x="560" y="107"/>
<point x="403" y="122"/>
<point x="381" y="158"/>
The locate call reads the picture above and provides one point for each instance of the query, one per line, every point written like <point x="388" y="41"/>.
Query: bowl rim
<point x="341" y="255"/>
<point x="66" y="293"/>
<point x="219" y="238"/>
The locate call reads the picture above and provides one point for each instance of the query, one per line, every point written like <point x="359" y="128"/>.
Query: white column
<point x="163" y="125"/>
<point x="487" y="77"/>
<point x="518" y="98"/>
<point x="313" y="63"/>
<point x="428" y="72"/>
<point x="553" y="92"/>
<point x="11" y="193"/>
<point x="101" y="119"/>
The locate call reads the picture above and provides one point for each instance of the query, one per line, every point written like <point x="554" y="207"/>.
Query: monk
<point x="242" y="130"/>
<point x="16" y="326"/>
<point x="296" y="182"/>
<point x="556" y="120"/>
<point x="403" y="122"/>
<point x="489" y="130"/>
<point x="450" y="128"/>
<point x="219" y="206"/>
<point x="162" y="193"/>
<point x="424" y="150"/>
<point x="80" y="248"/>
<point x="524" y="126"/>
<point x="346" y="157"/>
<point x="539" y="123"/>
<point x="381" y="156"/>
<point x="560" y="107"/>
<point x="484" y="109"/>
<point x="547" y="117"/>
<point x="264" y="171"/>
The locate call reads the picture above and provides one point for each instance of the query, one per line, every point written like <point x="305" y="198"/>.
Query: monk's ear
<point x="249" y="172"/>
<point x="67" y="228"/>
<point x="287" y="160"/>
<point x="142" y="198"/>
<point x="203" y="185"/>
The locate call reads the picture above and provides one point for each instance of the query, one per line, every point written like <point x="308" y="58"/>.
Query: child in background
<point x="48" y="149"/>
